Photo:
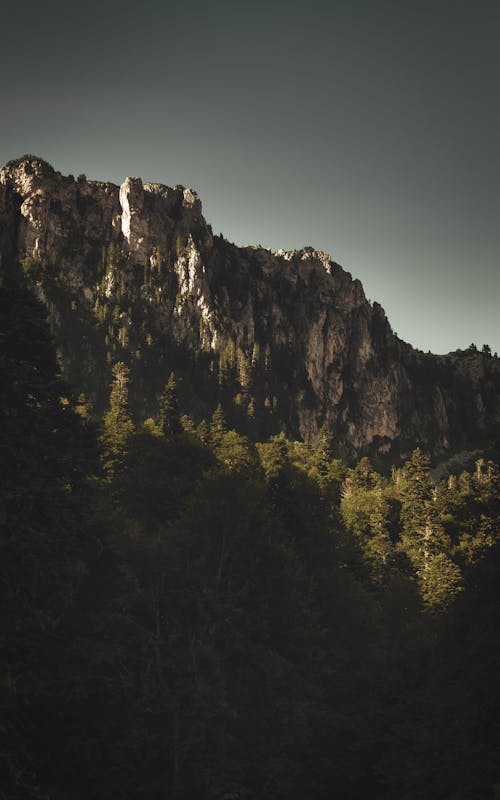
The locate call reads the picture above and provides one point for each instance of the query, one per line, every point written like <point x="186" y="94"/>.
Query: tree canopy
<point x="188" y="615"/>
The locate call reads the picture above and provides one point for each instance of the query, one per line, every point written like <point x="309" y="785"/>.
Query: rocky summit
<point x="284" y="341"/>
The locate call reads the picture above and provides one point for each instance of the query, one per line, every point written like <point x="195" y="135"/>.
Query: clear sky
<point x="366" y="128"/>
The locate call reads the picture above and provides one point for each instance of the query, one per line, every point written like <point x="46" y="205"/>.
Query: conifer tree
<point x="324" y="468"/>
<point x="416" y="494"/>
<point x="203" y="431"/>
<point x="275" y="463"/>
<point x="218" y="425"/>
<point x="363" y="475"/>
<point x="423" y="538"/>
<point x="251" y="409"/>
<point x="227" y="363"/>
<point x="379" y="547"/>
<point x="324" y="451"/>
<point x="187" y="424"/>
<point x="118" y="425"/>
<point x="440" y="581"/>
<point x="244" y="369"/>
<point x="170" y="420"/>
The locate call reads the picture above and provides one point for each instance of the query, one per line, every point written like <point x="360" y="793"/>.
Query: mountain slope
<point x="285" y="340"/>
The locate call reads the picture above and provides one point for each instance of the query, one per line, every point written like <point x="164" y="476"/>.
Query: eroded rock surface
<point x="133" y="273"/>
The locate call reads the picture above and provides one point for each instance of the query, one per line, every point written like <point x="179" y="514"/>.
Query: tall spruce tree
<point x="118" y="425"/>
<point x="423" y="537"/>
<point x="170" y="419"/>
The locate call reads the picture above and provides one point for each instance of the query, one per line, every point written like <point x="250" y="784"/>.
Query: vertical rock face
<point x="134" y="274"/>
<point x="135" y="228"/>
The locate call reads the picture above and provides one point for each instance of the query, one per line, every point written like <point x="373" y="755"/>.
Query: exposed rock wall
<point x="133" y="273"/>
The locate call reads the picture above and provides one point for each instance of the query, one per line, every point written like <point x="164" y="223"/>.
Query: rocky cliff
<point x="285" y="340"/>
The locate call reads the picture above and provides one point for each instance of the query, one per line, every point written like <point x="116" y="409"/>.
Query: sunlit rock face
<point x="133" y="273"/>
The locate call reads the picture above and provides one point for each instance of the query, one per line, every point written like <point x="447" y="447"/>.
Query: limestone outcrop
<point x="133" y="273"/>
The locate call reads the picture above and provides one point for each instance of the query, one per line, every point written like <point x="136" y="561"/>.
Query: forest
<point x="188" y="614"/>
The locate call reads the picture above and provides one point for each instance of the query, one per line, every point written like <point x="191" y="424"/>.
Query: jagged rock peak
<point x="31" y="164"/>
<point x="305" y="254"/>
<point x="25" y="170"/>
<point x="27" y="173"/>
<point x="288" y="339"/>
<point x="139" y="217"/>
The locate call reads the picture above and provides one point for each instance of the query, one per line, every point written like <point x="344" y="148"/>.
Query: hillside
<point x="285" y="341"/>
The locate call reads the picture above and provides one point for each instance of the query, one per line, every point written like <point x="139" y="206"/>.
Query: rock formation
<point x="286" y="340"/>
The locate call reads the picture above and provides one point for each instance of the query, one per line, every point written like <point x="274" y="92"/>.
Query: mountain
<point x="284" y="341"/>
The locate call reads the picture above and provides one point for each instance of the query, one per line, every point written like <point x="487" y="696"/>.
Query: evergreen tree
<point x="209" y="635"/>
<point x="48" y="452"/>
<point x="118" y="425"/>
<point x="187" y="424"/>
<point x="218" y="425"/>
<point x="416" y="510"/>
<point x="170" y="420"/>
<point x="203" y="431"/>
<point x="441" y="581"/>
<point x="379" y="548"/>
<point x="227" y="363"/>
<point x="363" y="475"/>
<point x="251" y="409"/>
<point x="324" y="454"/>
<point x="424" y="538"/>
<point x="244" y="369"/>
<point x="235" y="452"/>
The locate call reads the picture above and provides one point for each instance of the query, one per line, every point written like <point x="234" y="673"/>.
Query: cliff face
<point x="285" y="340"/>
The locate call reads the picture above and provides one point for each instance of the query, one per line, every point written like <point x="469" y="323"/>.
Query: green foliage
<point x="203" y="432"/>
<point x="170" y="420"/>
<point x="244" y="369"/>
<point x="441" y="581"/>
<point x="235" y="452"/>
<point x="215" y="619"/>
<point x="118" y="425"/>
<point x="218" y="425"/>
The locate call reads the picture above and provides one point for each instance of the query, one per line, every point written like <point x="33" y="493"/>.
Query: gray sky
<point x="368" y="129"/>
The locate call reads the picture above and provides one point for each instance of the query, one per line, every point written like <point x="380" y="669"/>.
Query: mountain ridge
<point x="284" y="340"/>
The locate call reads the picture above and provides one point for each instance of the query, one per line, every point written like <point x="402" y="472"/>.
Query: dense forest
<point x="187" y="614"/>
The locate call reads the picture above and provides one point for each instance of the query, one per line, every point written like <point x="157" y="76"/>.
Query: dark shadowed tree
<point x="118" y="425"/>
<point x="170" y="420"/>
<point x="47" y="454"/>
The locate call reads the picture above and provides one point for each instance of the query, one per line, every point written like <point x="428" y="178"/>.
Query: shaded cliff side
<point x="285" y="340"/>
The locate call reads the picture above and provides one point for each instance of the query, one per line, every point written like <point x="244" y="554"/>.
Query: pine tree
<point x="218" y="425"/>
<point x="416" y="495"/>
<point x="251" y="409"/>
<point x="440" y="580"/>
<point x="227" y="363"/>
<point x="324" y="451"/>
<point x="423" y="537"/>
<point x="203" y="431"/>
<point x="379" y="547"/>
<point x="363" y="475"/>
<point x="118" y="425"/>
<point x="187" y="424"/>
<point x="326" y="470"/>
<point x="244" y="370"/>
<point x="170" y="420"/>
